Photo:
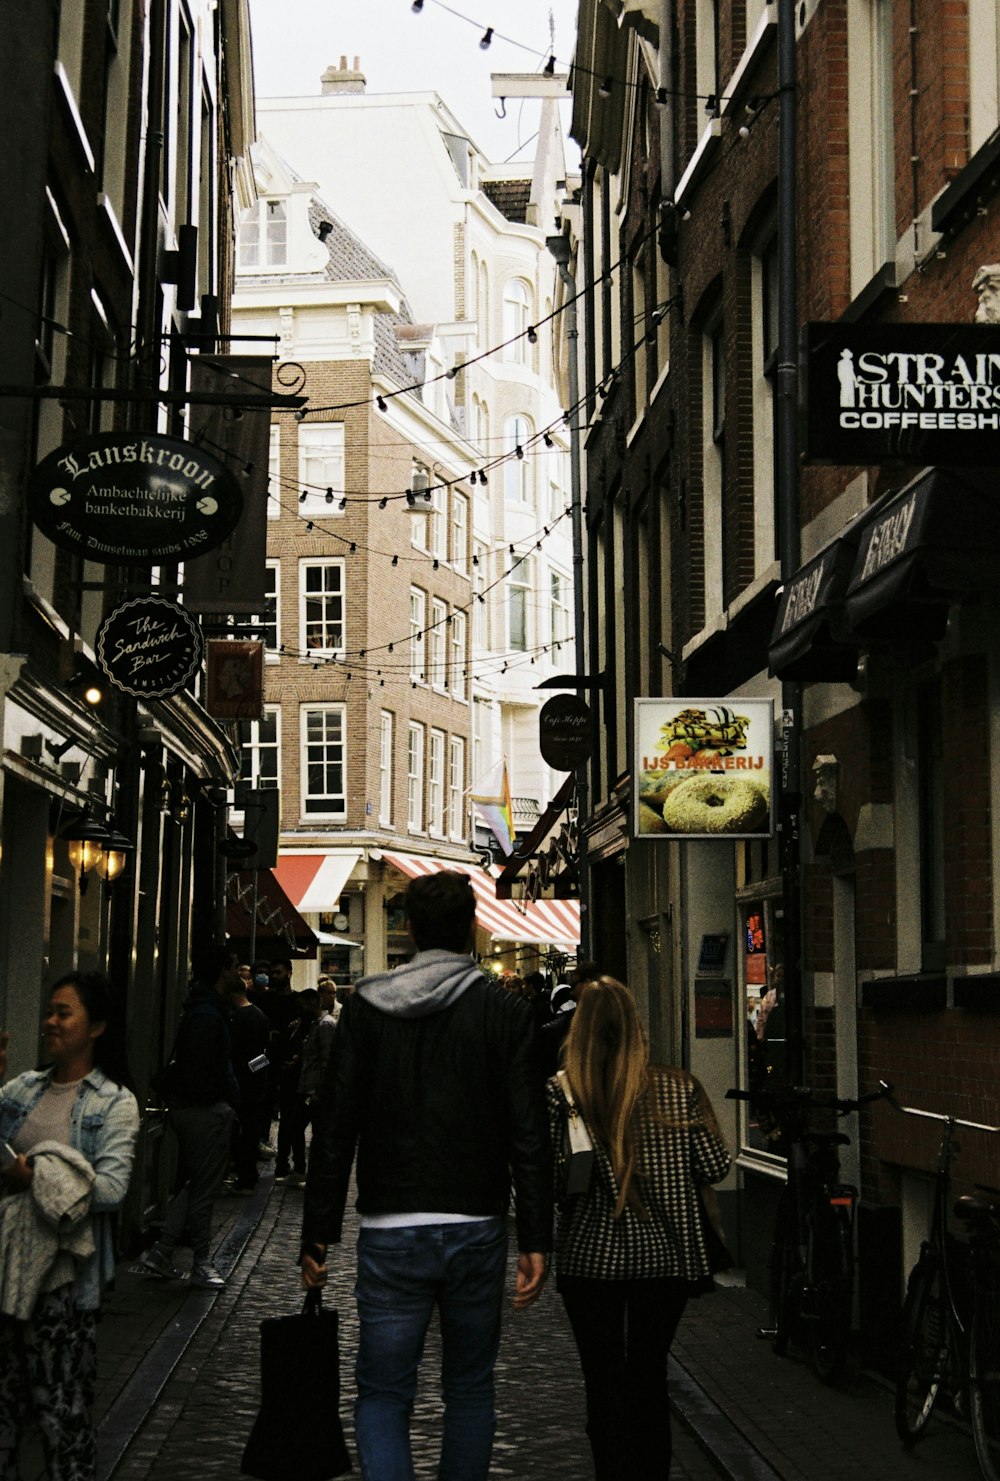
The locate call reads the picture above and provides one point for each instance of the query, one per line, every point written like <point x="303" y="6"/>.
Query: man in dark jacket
<point x="434" y="1079"/>
<point x="201" y="1094"/>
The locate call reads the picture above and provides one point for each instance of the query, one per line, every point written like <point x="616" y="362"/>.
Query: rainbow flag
<point x="491" y="798"/>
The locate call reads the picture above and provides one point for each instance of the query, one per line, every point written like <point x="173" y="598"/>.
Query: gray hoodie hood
<point x="431" y="981"/>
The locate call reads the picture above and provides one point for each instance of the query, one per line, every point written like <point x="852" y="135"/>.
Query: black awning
<point x="730" y="658"/>
<point x="280" y="927"/>
<point x="810" y="639"/>
<point x="930" y="543"/>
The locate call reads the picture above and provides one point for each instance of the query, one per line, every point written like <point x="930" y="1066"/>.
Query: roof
<point x="510" y="197"/>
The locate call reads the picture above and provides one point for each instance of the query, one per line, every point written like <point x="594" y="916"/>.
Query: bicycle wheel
<point x="785" y="1276"/>
<point x="924" y="1354"/>
<point x="831" y="1293"/>
<point x="984" y="1375"/>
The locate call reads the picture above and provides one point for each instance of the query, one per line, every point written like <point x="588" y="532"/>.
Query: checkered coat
<point x="673" y="1159"/>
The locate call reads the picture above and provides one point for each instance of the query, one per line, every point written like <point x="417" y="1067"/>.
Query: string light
<point x="604" y="91"/>
<point x="550" y="67"/>
<point x="532" y="334"/>
<point x="486" y="38"/>
<point x="380" y="403"/>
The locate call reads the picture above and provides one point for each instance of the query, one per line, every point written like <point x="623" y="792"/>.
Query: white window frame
<point x="321" y="470"/>
<point x="387" y="722"/>
<point x="480" y="608"/>
<point x="560" y="611"/>
<point x="456" y="786"/>
<point x="459" y="656"/>
<point x="519" y="581"/>
<point x="333" y="593"/>
<point x="517" y="305"/>
<point x="436" y="784"/>
<point x="437" y="659"/>
<point x="262" y="243"/>
<point x="270" y="619"/>
<point x="254" y="748"/>
<point x="711" y="475"/>
<point x="437" y="523"/>
<point x="274" y="473"/>
<point x="984" y="71"/>
<point x="762" y="269"/>
<point x="871" y="139"/>
<point x="415" y="777"/>
<point x="334" y="715"/>
<point x="517" y="471"/>
<point x="418" y="635"/>
<point x="460" y="533"/>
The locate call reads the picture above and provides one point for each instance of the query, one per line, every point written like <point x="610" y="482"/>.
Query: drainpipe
<point x="788" y="519"/>
<point x="560" y="248"/>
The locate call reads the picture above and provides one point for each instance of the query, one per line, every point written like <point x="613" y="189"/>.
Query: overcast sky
<point x="399" y="51"/>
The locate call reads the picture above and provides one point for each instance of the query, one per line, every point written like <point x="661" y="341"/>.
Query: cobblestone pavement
<point x="178" y="1385"/>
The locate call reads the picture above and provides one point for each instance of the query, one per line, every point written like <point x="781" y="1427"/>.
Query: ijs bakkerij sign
<point x="149" y="647"/>
<point x="134" y="500"/>
<point x="921" y="393"/>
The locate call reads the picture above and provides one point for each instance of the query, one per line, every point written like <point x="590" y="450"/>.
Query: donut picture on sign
<point x="703" y="768"/>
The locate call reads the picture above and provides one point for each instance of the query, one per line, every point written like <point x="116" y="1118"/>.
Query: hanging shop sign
<point x="920" y="393"/>
<point x="565" y="732"/>
<point x="703" y="768"/>
<point x="234" y="679"/>
<point x="149" y="647"/>
<point x="127" y="500"/>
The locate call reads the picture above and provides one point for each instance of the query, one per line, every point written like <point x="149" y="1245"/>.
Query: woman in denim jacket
<point x="48" y="1363"/>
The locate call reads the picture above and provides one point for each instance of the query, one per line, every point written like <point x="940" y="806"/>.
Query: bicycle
<point x="951" y="1314"/>
<point x="812" y="1255"/>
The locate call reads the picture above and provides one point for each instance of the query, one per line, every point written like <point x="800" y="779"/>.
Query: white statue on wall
<point x="986" y="284"/>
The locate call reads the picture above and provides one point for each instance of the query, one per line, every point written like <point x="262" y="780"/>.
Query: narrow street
<point x="178" y="1382"/>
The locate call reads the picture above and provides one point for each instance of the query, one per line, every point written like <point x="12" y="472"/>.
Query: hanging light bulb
<point x="485" y="39"/>
<point x="417" y="6"/>
<point x="382" y="503"/>
<point x="550" y="67"/>
<point x="604" y="91"/>
<point x="532" y="334"/>
<point x="329" y="496"/>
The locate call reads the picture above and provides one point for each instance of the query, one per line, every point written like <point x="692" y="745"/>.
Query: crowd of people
<point x="441" y="1090"/>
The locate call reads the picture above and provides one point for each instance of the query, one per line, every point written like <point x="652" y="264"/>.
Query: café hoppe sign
<point x="131" y="500"/>
<point x="149" y="647"/>
<point x="923" y="393"/>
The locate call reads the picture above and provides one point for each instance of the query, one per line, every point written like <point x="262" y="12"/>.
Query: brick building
<point x="890" y="685"/>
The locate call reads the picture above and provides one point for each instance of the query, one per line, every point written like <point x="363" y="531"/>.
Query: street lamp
<point x="85" y="838"/>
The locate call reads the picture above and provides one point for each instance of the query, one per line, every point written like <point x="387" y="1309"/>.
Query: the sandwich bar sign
<point x="126" y="500"/>
<point x="927" y="393"/>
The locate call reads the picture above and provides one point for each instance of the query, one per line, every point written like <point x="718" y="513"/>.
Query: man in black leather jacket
<point x="435" y="1080"/>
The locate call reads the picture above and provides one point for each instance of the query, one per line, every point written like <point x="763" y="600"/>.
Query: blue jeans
<point x="402" y="1275"/>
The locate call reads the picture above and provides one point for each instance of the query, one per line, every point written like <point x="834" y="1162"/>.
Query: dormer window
<point x="264" y="236"/>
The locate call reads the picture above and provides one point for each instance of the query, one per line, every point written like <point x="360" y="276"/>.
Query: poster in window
<point x="703" y="768"/>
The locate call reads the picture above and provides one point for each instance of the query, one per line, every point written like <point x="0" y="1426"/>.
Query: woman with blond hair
<point x="629" y="1247"/>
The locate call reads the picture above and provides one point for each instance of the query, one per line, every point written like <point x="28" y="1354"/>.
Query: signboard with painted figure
<point x="149" y="647"/>
<point x="124" y="499"/>
<point x="703" y="768"/>
<point x="920" y="393"/>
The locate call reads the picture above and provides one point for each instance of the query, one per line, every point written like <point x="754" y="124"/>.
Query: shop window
<point x="761" y="978"/>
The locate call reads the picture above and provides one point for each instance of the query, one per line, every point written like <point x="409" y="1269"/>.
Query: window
<point x="459" y="661"/>
<point x="871" y="142"/>
<point x="274" y="474"/>
<point x="480" y="606"/>
<point x="559" y="588"/>
<point x="640" y="328"/>
<point x="437" y="523"/>
<point x="764" y="337"/>
<point x="268" y="621"/>
<point x="263" y="240"/>
<point x="932" y="825"/>
<point x="485" y="332"/>
<point x="260" y="754"/>
<point x="112" y="155"/>
<point x="460" y="533"/>
<point x="713" y="441"/>
<point x="324" y="785"/>
<point x="456" y="786"/>
<point x="518" y="599"/>
<point x="435" y="784"/>
<point x="321" y="606"/>
<point x="419" y="523"/>
<point x="438" y="635"/>
<point x="415" y="777"/>
<point x="516" y="318"/>
<point x="706" y="51"/>
<point x="516" y="483"/>
<point x="385" y="760"/>
<point x="321" y="470"/>
<point x="984" y="71"/>
<point x="182" y="122"/>
<point x="418" y="627"/>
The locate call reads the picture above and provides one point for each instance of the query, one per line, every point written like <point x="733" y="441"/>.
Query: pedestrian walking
<point x="71" y="1130"/>
<point x="629" y="1246"/>
<point x="202" y="1095"/>
<point x="249" y="1033"/>
<point x="435" y="1082"/>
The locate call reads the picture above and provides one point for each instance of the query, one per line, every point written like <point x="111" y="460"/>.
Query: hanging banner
<point x="127" y="500"/>
<point x="149" y="647"/>
<point x="703" y="768"/>
<point x="920" y="393"/>
<point x="231" y="578"/>
<point x="234" y="679"/>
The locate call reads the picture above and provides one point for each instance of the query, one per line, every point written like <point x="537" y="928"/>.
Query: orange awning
<point x="540" y="922"/>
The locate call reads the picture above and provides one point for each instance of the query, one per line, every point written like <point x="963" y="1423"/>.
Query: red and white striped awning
<point x="314" y="879"/>
<point x="540" y="922"/>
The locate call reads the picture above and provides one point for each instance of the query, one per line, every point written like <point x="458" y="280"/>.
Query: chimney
<point x="343" y="79"/>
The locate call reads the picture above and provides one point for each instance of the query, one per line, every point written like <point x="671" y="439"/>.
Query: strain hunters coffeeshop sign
<point x="149" y="647"/>
<point x="922" y="393"/>
<point x="134" y="500"/>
